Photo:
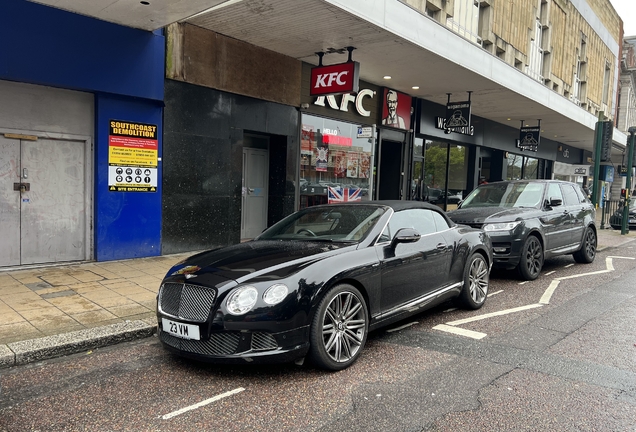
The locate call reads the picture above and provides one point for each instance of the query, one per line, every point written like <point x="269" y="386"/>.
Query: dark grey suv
<point x="530" y="220"/>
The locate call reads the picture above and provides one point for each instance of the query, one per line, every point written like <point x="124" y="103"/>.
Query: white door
<point x="43" y="186"/>
<point x="255" y="193"/>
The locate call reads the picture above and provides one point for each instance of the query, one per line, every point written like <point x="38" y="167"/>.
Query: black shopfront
<point x="446" y="166"/>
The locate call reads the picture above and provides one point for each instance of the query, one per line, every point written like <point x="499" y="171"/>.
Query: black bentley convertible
<point x="314" y="284"/>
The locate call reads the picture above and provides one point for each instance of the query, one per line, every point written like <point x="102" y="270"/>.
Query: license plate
<point x="181" y="330"/>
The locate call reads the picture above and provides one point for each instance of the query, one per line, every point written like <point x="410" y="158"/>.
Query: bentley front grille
<point x="188" y="302"/>
<point x="219" y="343"/>
<point x="263" y="342"/>
<point x="223" y="343"/>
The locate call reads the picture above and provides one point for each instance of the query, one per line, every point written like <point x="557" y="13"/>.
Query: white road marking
<point x="202" y="403"/>
<point x="494" y="314"/>
<point x="460" y="331"/>
<point x="545" y="298"/>
<point x="496" y="292"/>
<point x="582" y="274"/>
<point x="549" y="273"/>
<point x="401" y="327"/>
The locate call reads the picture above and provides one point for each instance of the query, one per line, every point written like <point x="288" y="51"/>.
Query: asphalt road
<point x="555" y="354"/>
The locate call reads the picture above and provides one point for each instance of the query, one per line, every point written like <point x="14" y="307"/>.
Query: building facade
<point x="80" y="137"/>
<point x="223" y="139"/>
<point x="231" y="139"/>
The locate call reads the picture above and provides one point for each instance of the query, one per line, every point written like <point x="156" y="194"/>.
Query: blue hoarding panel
<point x="127" y="224"/>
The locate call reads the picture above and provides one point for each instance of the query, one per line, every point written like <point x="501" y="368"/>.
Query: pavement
<point x="54" y="310"/>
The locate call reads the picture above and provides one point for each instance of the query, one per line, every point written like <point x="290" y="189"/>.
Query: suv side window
<point x="581" y="194"/>
<point x="554" y="191"/>
<point x="571" y="198"/>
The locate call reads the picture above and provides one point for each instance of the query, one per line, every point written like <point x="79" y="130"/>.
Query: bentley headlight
<point x="504" y="226"/>
<point x="241" y="300"/>
<point x="275" y="294"/>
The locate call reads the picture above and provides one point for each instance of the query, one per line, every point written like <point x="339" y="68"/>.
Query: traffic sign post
<point x="597" y="158"/>
<point x="628" y="181"/>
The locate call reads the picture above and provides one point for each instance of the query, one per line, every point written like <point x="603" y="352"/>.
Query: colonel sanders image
<point x="392" y="119"/>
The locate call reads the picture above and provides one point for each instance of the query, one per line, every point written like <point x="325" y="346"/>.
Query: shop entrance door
<point x="390" y="170"/>
<point x="43" y="200"/>
<point x="255" y="192"/>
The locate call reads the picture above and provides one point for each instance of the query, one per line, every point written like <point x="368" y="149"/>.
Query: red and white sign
<point x="396" y="109"/>
<point x="334" y="79"/>
<point x="337" y="140"/>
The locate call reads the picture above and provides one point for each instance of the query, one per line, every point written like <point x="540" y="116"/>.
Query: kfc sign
<point x="334" y="79"/>
<point x="346" y="98"/>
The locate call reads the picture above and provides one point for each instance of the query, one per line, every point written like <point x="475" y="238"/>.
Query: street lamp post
<point x="628" y="182"/>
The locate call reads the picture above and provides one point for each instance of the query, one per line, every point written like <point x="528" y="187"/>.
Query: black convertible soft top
<point x="398" y="205"/>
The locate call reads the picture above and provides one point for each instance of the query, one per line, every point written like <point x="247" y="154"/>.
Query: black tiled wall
<point x="202" y="163"/>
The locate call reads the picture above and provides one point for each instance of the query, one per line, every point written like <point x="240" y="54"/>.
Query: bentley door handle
<point x="441" y="246"/>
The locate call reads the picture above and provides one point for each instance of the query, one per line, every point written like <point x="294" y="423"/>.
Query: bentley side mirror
<point x="554" y="202"/>
<point x="405" y="235"/>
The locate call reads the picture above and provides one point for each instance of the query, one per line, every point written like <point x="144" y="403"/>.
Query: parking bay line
<point x="545" y="299"/>
<point x="202" y="403"/>
<point x="547" y="295"/>
<point x="493" y="314"/>
<point x="460" y="331"/>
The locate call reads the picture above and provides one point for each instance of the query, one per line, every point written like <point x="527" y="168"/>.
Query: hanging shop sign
<point x="335" y="79"/>
<point x="132" y="157"/>
<point x="529" y="137"/>
<point x="396" y="110"/>
<point x="458" y="117"/>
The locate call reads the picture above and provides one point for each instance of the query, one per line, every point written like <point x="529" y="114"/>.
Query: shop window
<point x="522" y="167"/>
<point x="417" y="171"/>
<point x="445" y="170"/>
<point x="335" y="165"/>
<point x="530" y="168"/>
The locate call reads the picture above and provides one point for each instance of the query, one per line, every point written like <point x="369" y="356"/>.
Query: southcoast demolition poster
<point x="132" y="157"/>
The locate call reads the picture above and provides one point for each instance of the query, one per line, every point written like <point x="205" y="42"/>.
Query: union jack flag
<point x="340" y="194"/>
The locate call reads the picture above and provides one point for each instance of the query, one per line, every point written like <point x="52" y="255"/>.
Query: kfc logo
<point x="334" y="79"/>
<point x="346" y="99"/>
<point x="320" y="80"/>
